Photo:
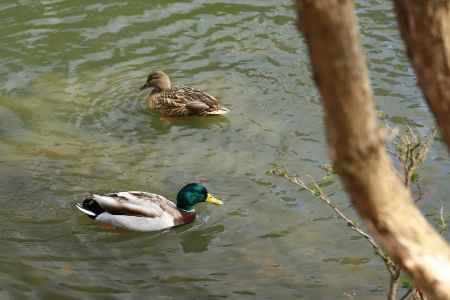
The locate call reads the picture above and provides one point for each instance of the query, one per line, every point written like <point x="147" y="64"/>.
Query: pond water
<point x="72" y="121"/>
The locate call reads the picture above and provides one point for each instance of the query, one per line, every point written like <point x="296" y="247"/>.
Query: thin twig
<point x="443" y="223"/>
<point x="411" y="152"/>
<point x="419" y="192"/>
<point x="318" y="192"/>
<point x="407" y="294"/>
<point x="394" y="283"/>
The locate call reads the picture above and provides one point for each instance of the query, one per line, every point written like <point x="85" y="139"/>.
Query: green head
<point x="192" y="194"/>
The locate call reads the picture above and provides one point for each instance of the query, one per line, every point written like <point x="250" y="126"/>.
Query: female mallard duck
<point x="143" y="211"/>
<point x="179" y="101"/>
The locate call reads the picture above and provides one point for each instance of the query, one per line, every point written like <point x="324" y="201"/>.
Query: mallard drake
<point x="179" y="101"/>
<point x="144" y="211"/>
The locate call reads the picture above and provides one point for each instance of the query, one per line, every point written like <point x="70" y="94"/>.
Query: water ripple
<point x="73" y="121"/>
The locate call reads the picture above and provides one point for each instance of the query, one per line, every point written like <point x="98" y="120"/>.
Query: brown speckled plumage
<point x="179" y="101"/>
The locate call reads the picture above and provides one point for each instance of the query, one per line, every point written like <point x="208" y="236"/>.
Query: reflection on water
<point x="73" y="121"/>
<point x="197" y="241"/>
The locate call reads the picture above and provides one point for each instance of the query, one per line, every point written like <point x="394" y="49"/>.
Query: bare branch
<point x="317" y="192"/>
<point x="411" y="152"/>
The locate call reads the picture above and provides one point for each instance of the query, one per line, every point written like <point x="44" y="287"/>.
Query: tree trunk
<point x="357" y="146"/>
<point x="425" y="28"/>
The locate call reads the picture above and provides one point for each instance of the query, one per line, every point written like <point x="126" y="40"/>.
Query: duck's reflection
<point x="192" y="122"/>
<point x="196" y="241"/>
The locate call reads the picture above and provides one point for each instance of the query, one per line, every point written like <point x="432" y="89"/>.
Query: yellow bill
<point x="214" y="200"/>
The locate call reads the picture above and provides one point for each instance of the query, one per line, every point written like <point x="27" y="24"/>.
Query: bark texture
<point x="357" y="146"/>
<point x="425" y="28"/>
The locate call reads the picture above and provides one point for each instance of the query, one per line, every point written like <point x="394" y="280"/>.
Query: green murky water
<point x="72" y="121"/>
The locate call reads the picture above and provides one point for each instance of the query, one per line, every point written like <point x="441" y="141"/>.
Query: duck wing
<point x="165" y="204"/>
<point x="134" y="204"/>
<point x="197" y="107"/>
<point x="201" y="103"/>
<point x="189" y="99"/>
<point x="194" y="95"/>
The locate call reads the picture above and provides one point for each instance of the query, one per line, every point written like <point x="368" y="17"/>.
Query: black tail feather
<point x="92" y="205"/>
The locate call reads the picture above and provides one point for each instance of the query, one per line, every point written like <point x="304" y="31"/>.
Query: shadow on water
<point x="195" y="122"/>
<point x="197" y="241"/>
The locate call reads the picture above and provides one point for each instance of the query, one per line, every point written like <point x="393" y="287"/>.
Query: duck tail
<point x="219" y="112"/>
<point x="90" y="208"/>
